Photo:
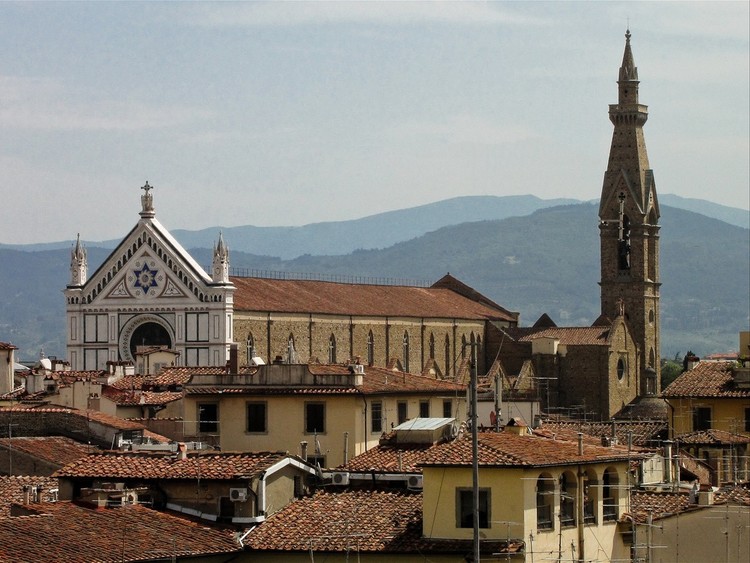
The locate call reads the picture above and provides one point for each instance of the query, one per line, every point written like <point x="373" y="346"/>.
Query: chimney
<point x="26" y="494"/>
<point x="580" y="443"/>
<point x="668" y="461"/>
<point x="691" y="361"/>
<point x="303" y="450"/>
<point x="234" y="364"/>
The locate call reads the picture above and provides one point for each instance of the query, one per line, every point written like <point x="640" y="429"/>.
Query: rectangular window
<point x="256" y="417"/>
<point x="95" y="328"/>
<point x="196" y="327"/>
<point x="424" y="409"/>
<point x="196" y="356"/>
<point x="315" y="418"/>
<point x="208" y="418"/>
<point x="402" y="412"/>
<point x="376" y="413"/>
<point x="702" y="418"/>
<point x="447" y="408"/>
<point x="465" y="508"/>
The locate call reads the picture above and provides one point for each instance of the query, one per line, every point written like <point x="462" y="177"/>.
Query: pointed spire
<point x="78" y="263"/>
<point x="221" y="261"/>
<point x="628" y="70"/>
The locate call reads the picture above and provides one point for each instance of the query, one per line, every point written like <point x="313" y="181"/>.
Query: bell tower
<point x="629" y="228"/>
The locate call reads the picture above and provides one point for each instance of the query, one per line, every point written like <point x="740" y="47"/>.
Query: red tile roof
<point x="366" y="521"/>
<point x="712" y="437"/>
<point x="569" y="336"/>
<point x="141" y="398"/>
<point x="644" y="433"/>
<point x="64" y="531"/>
<point x="294" y="296"/>
<point x="7" y="346"/>
<point x="402" y="458"/>
<point x="11" y="490"/>
<point x="705" y="380"/>
<point x="506" y="449"/>
<point x="658" y="504"/>
<point x="376" y="381"/>
<point x="53" y="449"/>
<point x="148" y="465"/>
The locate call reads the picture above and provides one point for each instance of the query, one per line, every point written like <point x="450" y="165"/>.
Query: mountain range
<point x="530" y="255"/>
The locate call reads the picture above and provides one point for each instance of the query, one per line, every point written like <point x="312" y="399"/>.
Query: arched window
<point x="406" y="350"/>
<point x="568" y="492"/>
<point x="370" y="349"/>
<point x="332" y="349"/>
<point x="291" y="354"/>
<point x="545" y="502"/>
<point x="651" y="358"/>
<point x="432" y="346"/>
<point x="250" y="347"/>
<point x="589" y="497"/>
<point x="610" y="495"/>
<point x="447" y="356"/>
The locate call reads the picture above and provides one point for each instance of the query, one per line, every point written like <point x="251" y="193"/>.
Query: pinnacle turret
<point x="78" y="263"/>
<point x="220" y="272"/>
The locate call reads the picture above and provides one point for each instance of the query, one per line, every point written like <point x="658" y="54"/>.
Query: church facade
<point x="150" y="292"/>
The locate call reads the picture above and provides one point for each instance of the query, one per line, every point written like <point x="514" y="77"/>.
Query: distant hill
<point x="544" y="262"/>
<point x="386" y="229"/>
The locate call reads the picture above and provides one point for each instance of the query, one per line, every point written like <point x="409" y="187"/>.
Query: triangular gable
<point x="621" y="184"/>
<point x="148" y="263"/>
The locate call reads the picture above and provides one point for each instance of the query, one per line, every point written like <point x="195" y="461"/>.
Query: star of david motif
<point x="145" y="278"/>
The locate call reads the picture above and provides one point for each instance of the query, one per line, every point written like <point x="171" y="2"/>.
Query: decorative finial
<point x="627" y="32"/>
<point x="147" y="201"/>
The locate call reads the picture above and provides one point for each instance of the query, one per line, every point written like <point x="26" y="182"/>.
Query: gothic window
<point x="332" y="349"/>
<point x="651" y="358"/>
<point x="432" y="346"/>
<point x="291" y="354"/>
<point x="620" y="369"/>
<point x="623" y="245"/>
<point x="370" y="349"/>
<point x="406" y="351"/>
<point x="651" y="316"/>
<point x="250" y="347"/>
<point x="447" y="356"/>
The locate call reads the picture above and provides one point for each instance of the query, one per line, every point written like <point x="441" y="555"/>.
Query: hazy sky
<point x="293" y="113"/>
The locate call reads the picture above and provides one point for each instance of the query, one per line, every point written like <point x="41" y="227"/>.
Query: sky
<point x="282" y="114"/>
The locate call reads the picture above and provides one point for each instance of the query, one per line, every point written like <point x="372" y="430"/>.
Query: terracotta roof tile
<point x="506" y="449"/>
<point x="658" y="504"/>
<point x="75" y="534"/>
<point x="148" y="465"/>
<point x="706" y="379"/>
<point x="292" y="296"/>
<point x="376" y="381"/>
<point x="569" y="336"/>
<point x="11" y="490"/>
<point x="7" y="346"/>
<point x="367" y="521"/>
<point x="141" y="398"/>
<point x="53" y="449"/>
<point x="402" y="458"/>
<point x="644" y="433"/>
<point x="712" y="437"/>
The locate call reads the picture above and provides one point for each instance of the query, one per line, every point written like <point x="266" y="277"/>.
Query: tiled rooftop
<point x="712" y="437"/>
<point x="506" y="449"/>
<point x="644" y="433"/>
<point x="11" y="490"/>
<point x="7" y="346"/>
<point x="367" y="521"/>
<point x="376" y="381"/>
<point x="63" y="531"/>
<point x="390" y="459"/>
<point x="293" y="296"/>
<point x="706" y="379"/>
<point x="569" y="336"/>
<point x="658" y="504"/>
<point x="52" y="449"/>
<point x="147" y="465"/>
<point x="141" y="398"/>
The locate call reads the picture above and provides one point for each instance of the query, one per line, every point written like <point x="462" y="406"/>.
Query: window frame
<point x="424" y="408"/>
<point x="308" y="428"/>
<point x="376" y="424"/>
<point x="208" y="426"/>
<point x="464" y="497"/>
<point x="250" y="404"/>
<point x="399" y="406"/>
<point x="700" y="420"/>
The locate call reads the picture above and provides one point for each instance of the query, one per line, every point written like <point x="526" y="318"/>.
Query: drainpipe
<point x="579" y="501"/>
<point x="346" y="447"/>
<point x="262" y="494"/>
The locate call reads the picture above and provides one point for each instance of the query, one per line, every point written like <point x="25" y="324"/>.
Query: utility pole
<point x="474" y="448"/>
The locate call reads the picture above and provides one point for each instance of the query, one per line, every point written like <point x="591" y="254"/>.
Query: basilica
<point x="150" y="293"/>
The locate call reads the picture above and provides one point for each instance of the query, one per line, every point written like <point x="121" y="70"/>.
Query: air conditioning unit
<point x="238" y="495"/>
<point x="415" y="482"/>
<point x="340" y="478"/>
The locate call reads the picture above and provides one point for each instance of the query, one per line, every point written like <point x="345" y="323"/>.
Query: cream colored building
<point x="337" y="411"/>
<point x="7" y="363"/>
<point x="562" y="498"/>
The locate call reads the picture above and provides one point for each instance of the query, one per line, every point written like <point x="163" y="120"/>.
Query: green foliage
<point x="670" y="370"/>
